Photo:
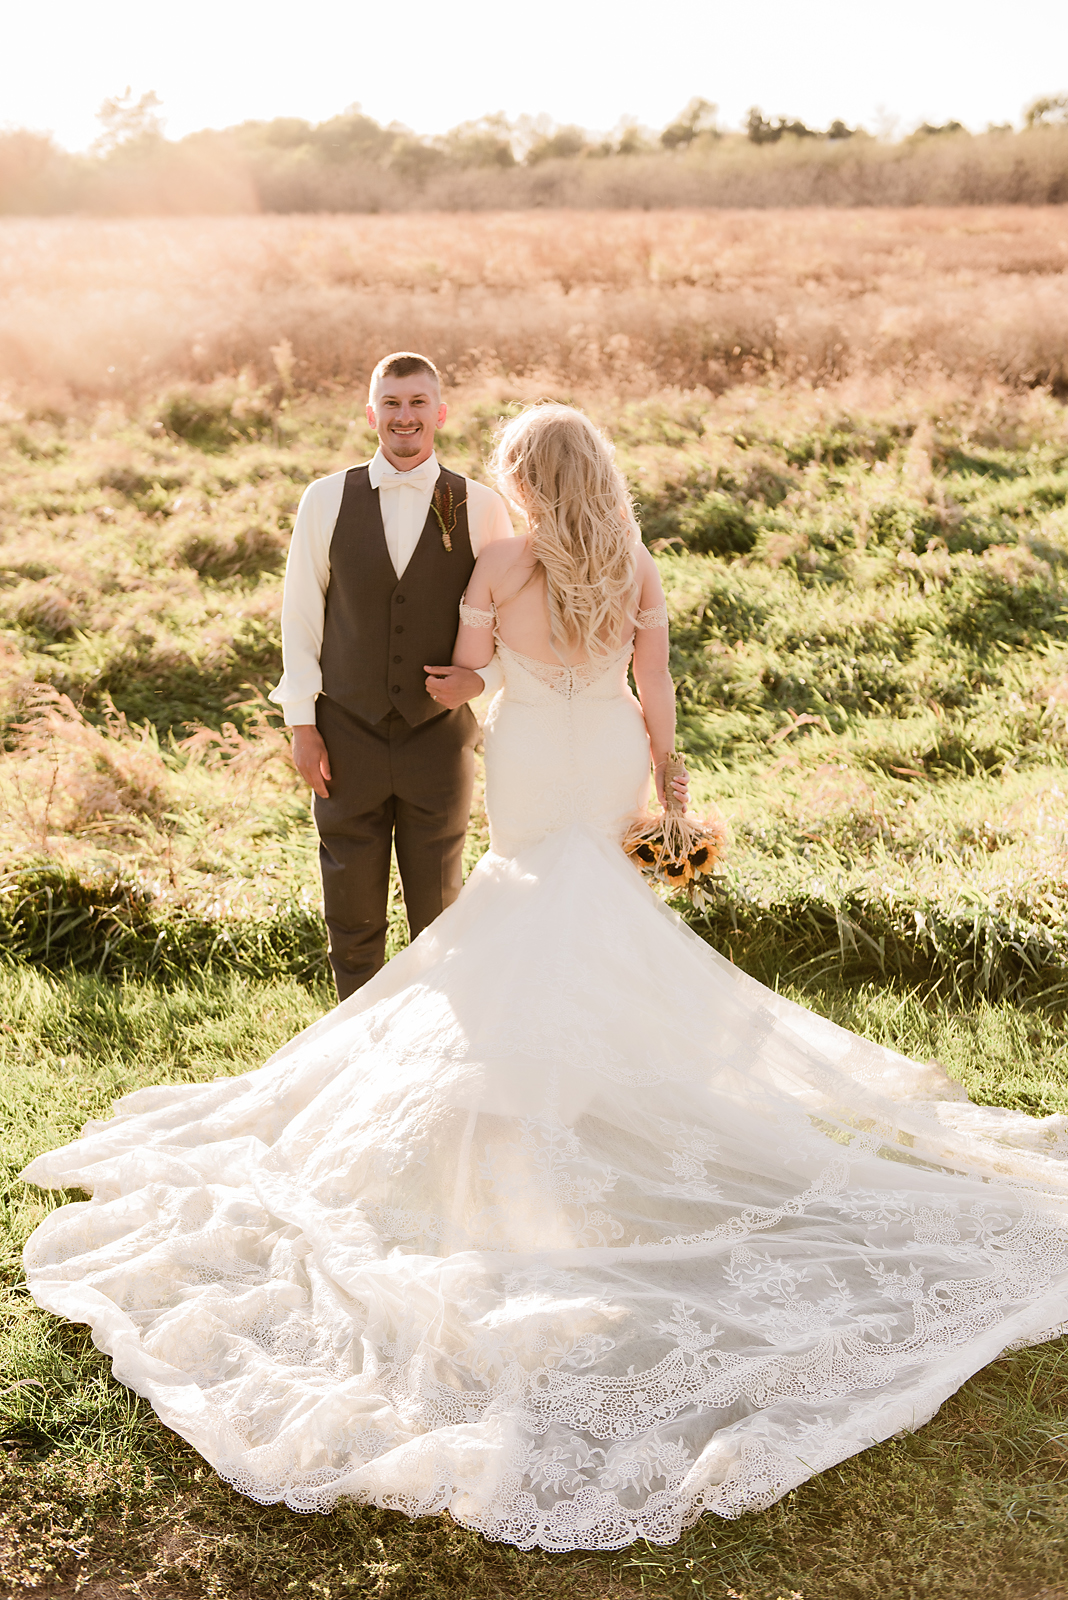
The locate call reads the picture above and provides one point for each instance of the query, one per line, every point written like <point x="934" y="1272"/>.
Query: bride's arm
<point x="656" y="691"/>
<point x="499" y="573"/>
<point x="473" y="651"/>
<point x="474" y="639"/>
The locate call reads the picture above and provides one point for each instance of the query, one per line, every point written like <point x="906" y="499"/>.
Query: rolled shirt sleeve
<point x="492" y="675"/>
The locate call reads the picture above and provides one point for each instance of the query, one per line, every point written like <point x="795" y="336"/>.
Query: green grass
<point x="870" y="636"/>
<point x="94" y="1487"/>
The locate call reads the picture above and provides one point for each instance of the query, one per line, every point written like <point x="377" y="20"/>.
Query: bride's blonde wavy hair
<point x="553" y="462"/>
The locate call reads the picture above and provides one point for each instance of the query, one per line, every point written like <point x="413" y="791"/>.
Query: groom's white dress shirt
<point x="405" y="501"/>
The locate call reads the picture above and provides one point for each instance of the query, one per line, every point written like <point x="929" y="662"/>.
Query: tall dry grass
<point x="626" y="301"/>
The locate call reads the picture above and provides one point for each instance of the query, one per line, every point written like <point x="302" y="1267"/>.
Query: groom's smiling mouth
<point x="406" y="437"/>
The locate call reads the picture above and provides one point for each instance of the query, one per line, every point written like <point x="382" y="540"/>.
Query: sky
<point x="431" y="66"/>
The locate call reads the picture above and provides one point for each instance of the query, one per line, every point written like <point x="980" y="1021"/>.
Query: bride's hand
<point x="680" y="785"/>
<point x="453" y="686"/>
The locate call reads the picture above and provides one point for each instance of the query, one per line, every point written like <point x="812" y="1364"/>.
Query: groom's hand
<point x="453" y="686"/>
<point x="310" y="758"/>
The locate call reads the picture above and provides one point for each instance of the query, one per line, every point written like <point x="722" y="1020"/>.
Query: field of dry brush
<point x="625" y="301"/>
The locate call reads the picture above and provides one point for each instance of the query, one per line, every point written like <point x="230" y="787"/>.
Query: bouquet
<point x="674" y="849"/>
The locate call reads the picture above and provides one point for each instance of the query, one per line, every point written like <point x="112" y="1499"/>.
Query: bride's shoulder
<point x="505" y="554"/>
<point x="501" y="569"/>
<point x="647" y="580"/>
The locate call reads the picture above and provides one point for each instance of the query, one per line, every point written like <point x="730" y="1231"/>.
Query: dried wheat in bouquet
<point x="674" y="849"/>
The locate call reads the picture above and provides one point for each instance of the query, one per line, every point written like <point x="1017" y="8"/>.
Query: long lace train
<point x="562" y="1224"/>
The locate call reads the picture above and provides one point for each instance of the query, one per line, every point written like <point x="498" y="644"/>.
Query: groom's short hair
<point x="402" y="364"/>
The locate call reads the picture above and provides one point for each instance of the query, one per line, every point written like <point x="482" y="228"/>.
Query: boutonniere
<point x="445" y="509"/>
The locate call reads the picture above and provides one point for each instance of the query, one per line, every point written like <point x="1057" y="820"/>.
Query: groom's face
<point x="404" y="413"/>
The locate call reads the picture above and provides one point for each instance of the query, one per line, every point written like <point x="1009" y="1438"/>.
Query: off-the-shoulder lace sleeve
<point x="655" y="617"/>
<point x="472" y="617"/>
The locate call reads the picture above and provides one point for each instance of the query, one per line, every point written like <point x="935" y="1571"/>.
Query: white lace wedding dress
<point x="562" y="1224"/>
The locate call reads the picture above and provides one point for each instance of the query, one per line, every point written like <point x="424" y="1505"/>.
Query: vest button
<point x="395" y="689"/>
<point x="398" y="658"/>
<point x="399" y="628"/>
<point x="398" y="599"/>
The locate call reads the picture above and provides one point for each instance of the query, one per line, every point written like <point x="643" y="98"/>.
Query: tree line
<point x="352" y="162"/>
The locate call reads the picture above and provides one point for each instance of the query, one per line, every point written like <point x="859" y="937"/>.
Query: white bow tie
<point x="418" y="478"/>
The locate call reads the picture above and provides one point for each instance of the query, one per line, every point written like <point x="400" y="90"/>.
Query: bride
<point x="562" y="1223"/>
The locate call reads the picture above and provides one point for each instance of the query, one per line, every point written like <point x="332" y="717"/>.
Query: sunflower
<point x="676" y="873"/>
<point x="703" y="858"/>
<point x="677" y="853"/>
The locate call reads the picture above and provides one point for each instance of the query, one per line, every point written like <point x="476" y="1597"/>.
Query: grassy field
<point x="867" y="580"/>
<point x="871" y="647"/>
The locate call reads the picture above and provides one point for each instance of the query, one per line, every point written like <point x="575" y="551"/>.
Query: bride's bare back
<point x="509" y="581"/>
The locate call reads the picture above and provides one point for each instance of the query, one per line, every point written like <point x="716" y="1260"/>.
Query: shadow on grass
<point x="55" y="920"/>
<point x="973" y="1507"/>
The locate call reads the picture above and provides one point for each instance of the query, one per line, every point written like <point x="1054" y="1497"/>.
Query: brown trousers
<point x="391" y="783"/>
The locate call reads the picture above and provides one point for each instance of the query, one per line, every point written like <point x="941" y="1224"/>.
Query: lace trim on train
<point x="598" y="1459"/>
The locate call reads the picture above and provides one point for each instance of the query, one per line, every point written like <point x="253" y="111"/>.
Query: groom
<point x="379" y="560"/>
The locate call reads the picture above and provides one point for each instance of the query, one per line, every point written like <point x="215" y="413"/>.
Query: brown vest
<point x="380" y="630"/>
